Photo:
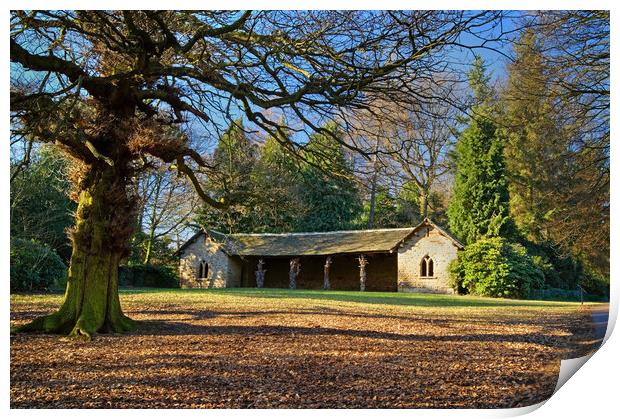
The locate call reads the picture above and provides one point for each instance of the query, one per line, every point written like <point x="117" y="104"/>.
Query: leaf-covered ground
<point x="245" y="348"/>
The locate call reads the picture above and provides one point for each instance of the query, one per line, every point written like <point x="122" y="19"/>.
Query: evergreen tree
<point x="552" y="200"/>
<point x="276" y="181"/>
<point x="328" y="190"/>
<point x="535" y="141"/>
<point x="480" y="205"/>
<point x="234" y="160"/>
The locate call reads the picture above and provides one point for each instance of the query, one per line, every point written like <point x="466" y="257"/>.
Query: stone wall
<point x="426" y="241"/>
<point x="223" y="271"/>
<point x="385" y="271"/>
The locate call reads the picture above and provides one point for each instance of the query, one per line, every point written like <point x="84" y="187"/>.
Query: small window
<point x="203" y="269"/>
<point x="427" y="267"/>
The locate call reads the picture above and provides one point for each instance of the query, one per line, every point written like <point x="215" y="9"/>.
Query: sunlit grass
<point x="383" y="298"/>
<point x="390" y="298"/>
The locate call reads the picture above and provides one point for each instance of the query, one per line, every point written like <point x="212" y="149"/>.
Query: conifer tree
<point x="276" y="181"/>
<point x="553" y="201"/>
<point x="234" y="160"/>
<point x="329" y="193"/>
<point x="479" y="207"/>
<point x="536" y="142"/>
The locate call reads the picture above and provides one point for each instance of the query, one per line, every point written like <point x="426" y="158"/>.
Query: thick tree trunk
<point x="424" y="203"/>
<point x="100" y="238"/>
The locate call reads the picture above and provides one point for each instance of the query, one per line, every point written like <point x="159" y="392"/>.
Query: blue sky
<point x="460" y="63"/>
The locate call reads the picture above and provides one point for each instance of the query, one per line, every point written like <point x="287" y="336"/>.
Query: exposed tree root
<point x="83" y="329"/>
<point x="56" y="323"/>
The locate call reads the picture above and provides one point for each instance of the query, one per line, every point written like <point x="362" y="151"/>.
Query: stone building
<point x="398" y="259"/>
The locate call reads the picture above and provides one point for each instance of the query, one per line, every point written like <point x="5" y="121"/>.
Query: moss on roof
<point x="315" y="244"/>
<point x="312" y="244"/>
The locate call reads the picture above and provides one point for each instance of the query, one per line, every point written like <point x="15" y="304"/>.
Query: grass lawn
<point x="281" y="348"/>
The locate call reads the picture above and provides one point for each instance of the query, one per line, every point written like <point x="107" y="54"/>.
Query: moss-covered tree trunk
<point x="103" y="225"/>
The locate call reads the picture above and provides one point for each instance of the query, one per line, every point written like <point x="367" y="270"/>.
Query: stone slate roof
<point x="312" y="244"/>
<point x="316" y="244"/>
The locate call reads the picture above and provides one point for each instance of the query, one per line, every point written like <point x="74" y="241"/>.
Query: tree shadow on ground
<point x="369" y="297"/>
<point x="547" y="322"/>
<point x="167" y="328"/>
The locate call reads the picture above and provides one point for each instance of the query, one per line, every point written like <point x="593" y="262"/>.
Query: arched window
<point x="427" y="267"/>
<point x="203" y="269"/>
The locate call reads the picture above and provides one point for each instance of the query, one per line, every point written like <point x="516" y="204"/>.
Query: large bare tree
<point x="408" y="141"/>
<point x="166" y="206"/>
<point x="421" y="141"/>
<point x="117" y="89"/>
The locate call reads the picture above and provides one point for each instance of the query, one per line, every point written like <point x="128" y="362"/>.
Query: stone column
<point x="363" y="262"/>
<point x="328" y="264"/>
<point x="294" y="271"/>
<point x="260" y="274"/>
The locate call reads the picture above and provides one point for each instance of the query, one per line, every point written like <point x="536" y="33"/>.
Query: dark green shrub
<point x="556" y="294"/>
<point x="494" y="267"/>
<point x="560" y="269"/>
<point x="156" y="276"/>
<point x="595" y="283"/>
<point x="551" y="277"/>
<point x="559" y="294"/>
<point x="35" y="266"/>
